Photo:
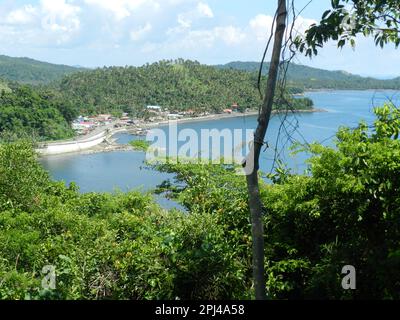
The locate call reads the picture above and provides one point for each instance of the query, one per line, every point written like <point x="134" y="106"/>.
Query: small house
<point x="154" y="108"/>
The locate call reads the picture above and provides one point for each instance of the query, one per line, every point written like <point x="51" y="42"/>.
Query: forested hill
<point x="26" y="70"/>
<point x="178" y="85"/>
<point x="313" y="78"/>
<point x="46" y="111"/>
<point x="42" y="115"/>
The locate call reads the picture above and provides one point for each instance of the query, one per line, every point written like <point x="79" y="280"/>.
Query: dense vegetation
<point x="107" y="246"/>
<point x="25" y="70"/>
<point x="344" y="211"/>
<point x="178" y="85"/>
<point x="141" y="145"/>
<point x="39" y="114"/>
<point x="4" y="86"/>
<point x="30" y="71"/>
<point x="313" y="78"/>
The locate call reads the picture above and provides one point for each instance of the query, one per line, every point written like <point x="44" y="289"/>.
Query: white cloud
<point x="204" y="38"/>
<point x="49" y="21"/>
<point x="230" y="35"/>
<point x="122" y="9"/>
<point x="261" y="26"/>
<point x="163" y="28"/>
<point x="184" y="22"/>
<point x="186" y="19"/>
<point x="204" y="10"/>
<point x="196" y="38"/>
<point x="60" y="16"/>
<point x="138" y="34"/>
<point x="24" y="15"/>
<point x="103" y="22"/>
<point x="178" y="2"/>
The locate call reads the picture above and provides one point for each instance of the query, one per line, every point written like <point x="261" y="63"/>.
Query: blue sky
<point x="132" y="32"/>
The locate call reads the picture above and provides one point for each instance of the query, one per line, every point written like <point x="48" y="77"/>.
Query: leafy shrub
<point x="346" y="212"/>
<point x="104" y="246"/>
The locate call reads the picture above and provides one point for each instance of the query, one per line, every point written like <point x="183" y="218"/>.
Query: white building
<point x="155" y="108"/>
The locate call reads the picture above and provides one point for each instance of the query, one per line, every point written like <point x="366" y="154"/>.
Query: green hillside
<point x="30" y="71"/>
<point x="313" y="78"/>
<point x="33" y="113"/>
<point x="178" y="85"/>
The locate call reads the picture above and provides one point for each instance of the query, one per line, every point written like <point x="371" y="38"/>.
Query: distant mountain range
<point x="26" y="70"/>
<point x="313" y="78"/>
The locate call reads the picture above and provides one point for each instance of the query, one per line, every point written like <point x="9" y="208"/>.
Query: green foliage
<point x="28" y="112"/>
<point x="301" y="104"/>
<point x="349" y="18"/>
<point x="141" y="145"/>
<point x="344" y="212"/>
<point x="177" y="85"/>
<point x="104" y="246"/>
<point x="30" y="71"/>
<point x="388" y="123"/>
<point x="217" y="191"/>
<point x="22" y="181"/>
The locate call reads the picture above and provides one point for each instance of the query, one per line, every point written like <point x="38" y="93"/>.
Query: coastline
<point x="213" y="117"/>
<point x="112" y="146"/>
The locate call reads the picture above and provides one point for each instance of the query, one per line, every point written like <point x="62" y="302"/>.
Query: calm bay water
<point x="126" y="170"/>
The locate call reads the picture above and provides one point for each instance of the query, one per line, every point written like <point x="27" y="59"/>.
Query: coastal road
<point x="77" y="144"/>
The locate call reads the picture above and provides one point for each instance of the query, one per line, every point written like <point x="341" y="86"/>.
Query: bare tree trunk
<point x="252" y="160"/>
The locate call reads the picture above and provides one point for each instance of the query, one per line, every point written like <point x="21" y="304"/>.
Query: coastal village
<point x="95" y="133"/>
<point x="84" y="125"/>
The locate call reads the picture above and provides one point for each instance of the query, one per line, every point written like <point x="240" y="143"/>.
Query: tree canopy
<point x="177" y="85"/>
<point x="349" y="18"/>
<point x="39" y="114"/>
<point x="30" y="71"/>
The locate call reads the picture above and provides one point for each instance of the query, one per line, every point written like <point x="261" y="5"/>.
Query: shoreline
<point x="114" y="147"/>
<point x="213" y="117"/>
